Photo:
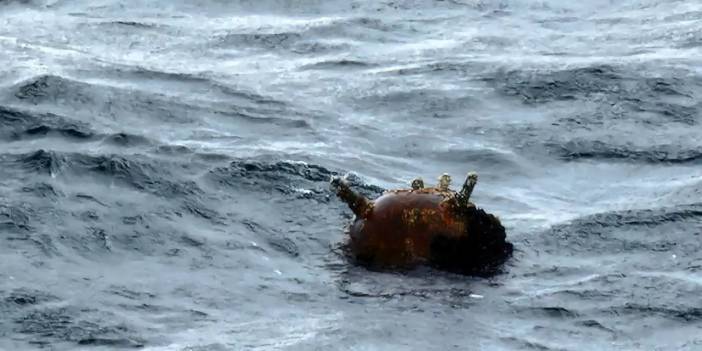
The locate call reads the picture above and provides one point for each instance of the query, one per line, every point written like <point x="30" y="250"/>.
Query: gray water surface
<point x="164" y="172"/>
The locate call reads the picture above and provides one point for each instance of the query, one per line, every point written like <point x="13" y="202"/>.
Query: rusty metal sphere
<point x="435" y="226"/>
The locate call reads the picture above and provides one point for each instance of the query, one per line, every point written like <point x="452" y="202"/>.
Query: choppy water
<point x="164" y="168"/>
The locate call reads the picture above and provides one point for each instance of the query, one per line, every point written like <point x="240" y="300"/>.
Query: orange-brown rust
<point x="406" y="227"/>
<point x="358" y="204"/>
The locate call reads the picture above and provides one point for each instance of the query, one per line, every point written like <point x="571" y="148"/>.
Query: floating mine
<point x="436" y="226"/>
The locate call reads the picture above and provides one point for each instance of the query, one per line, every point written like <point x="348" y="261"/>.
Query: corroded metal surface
<point x="438" y="226"/>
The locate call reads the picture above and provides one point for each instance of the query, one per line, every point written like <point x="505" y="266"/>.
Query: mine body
<point x="436" y="226"/>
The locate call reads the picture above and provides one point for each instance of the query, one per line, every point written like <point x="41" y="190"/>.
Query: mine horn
<point x="357" y="202"/>
<point x="468" y="185"/>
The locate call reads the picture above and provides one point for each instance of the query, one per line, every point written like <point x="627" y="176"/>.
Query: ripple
<point x="20" y="125"/>
<point x="595" y="149"/>
<point x="654" y="232"/>
<point x="63" y="324"/>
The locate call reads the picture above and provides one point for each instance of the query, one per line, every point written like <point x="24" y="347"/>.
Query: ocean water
<point x="164" y="172"/>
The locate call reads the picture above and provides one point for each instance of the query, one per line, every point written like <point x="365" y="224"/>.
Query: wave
<point x="41" y="162"/>
<point x="139" y="173"/>
<point x="336" y="36"/>
<point x="43" y="190"/>
<point x="652" y="232"/>
<point x="90" y="101"/>
<point x="620" y="94"/>
<point x="193" y="83"/>
<point x="14" y="219"/>
<point x="538" y="87"/>
<point x="61" y="323"/>
<point x="282" y="176"/>
<point x="419" y="103"/>
<point x="687" y="315"/>
<point x="260" y="40"/>
<point x="126" y="140"/>
<point x="285" y="177"/>
<point x="172" y="195"/>
<point x="479" y="158"/>
<point x="20" y="125"/>
<point x="593" y="109"/>
<point x="595" y="149"/>
<point x="337" y="64"/>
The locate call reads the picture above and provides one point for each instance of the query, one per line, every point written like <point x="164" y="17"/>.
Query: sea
<point x="165" y="166"/>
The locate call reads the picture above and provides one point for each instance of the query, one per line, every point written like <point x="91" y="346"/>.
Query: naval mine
<point x="436" y="226"/>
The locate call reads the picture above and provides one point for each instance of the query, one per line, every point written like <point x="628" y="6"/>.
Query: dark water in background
<point x="164" y="168"/>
